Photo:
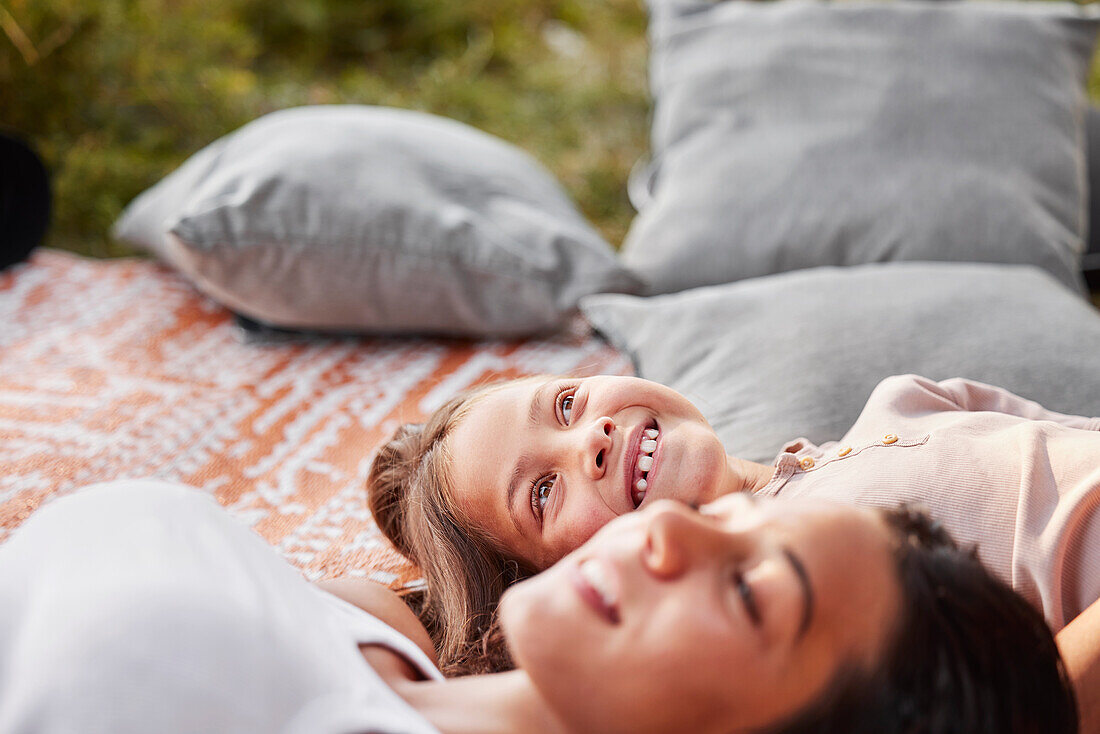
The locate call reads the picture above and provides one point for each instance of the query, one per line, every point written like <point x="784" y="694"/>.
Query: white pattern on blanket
<point x="116" y="369"/>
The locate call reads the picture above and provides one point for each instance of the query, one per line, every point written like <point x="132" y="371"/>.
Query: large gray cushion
<point x="797" y="354"/>
<point x="375" y="219"/>
<point x="797" y="134"/>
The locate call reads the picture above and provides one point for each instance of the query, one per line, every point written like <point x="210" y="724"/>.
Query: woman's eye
<point x="567" y="408"/>
<point x="747" y="598"/>
<point x="540" y="495"/>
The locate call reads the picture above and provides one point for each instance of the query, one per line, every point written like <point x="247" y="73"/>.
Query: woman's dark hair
<point x="969" y="655"/>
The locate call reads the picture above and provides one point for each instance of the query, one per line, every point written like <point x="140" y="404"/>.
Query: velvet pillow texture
<point x="796" y="134"/>
<point x="370" y="219"/>
<point x="797" y="354"/>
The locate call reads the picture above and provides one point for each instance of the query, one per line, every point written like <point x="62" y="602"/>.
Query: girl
<point x="142" y="606"/>
<point x="500" y="483"/>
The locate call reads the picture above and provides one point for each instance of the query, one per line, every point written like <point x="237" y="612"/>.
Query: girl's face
<point x="539" y="465"/>
<point x="727" y="620"/>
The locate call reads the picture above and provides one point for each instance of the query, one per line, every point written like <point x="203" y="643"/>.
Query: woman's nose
<point x="595" y="448"/>
<point x="678" y="538"/>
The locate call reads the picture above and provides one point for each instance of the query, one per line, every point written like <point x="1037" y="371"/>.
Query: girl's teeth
<point x="645" y="462"/>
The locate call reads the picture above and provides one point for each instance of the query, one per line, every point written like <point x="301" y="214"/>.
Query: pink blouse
<point x="1001" y="472"/>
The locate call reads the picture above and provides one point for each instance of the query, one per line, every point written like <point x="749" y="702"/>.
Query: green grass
<point x="117" y="93"/>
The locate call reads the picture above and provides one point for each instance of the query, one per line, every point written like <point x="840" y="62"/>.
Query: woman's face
<point x="539" y="465"/>
<point x="727" y="620"/>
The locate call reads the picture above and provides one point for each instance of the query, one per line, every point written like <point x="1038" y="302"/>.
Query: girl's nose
<point x="678" y="538"/>
<point x="595" y="449"/>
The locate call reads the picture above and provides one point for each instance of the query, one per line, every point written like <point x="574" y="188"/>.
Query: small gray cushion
<point x="797" y="354"/>
<point x="375" y="219"/>
<point x="798" y="134"/>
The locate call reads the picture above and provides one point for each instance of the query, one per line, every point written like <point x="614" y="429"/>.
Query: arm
<point x="1079" y="643"/>
<point x="976" y="396"/>
<point x="380" y="602"/>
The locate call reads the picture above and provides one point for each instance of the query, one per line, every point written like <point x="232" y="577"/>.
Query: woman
<point x="500" y="483"/>
<point x="142" y="606"/>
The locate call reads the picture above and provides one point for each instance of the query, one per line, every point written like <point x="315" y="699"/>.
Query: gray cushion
<point x="798" y="134"/>
<point x="797" y="354"/>
<point x="375" y="219"/>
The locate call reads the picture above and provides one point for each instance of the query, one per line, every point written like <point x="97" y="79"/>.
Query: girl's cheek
<point x="578" y="529"/>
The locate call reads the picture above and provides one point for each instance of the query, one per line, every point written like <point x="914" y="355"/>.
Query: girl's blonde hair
<point x="412" y="499"/>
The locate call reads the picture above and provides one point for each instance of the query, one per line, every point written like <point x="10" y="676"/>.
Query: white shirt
<point x="141" y="606"/>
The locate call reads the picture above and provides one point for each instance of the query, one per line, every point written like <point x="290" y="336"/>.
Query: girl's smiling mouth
<point x="639" y="463"/>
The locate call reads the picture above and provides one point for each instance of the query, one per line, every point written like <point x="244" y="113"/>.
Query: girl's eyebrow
<point x="537" y="400"/>
<point x="514" y="482"/>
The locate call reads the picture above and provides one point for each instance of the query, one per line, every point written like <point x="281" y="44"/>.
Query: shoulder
<point x="912" y="394"/>
<point x="899" y="398"/>
<point x="903" y="385"/>
<point x="383" y="604"/>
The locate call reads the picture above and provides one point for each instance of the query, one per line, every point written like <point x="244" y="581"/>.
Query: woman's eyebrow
<point x="807" y="592"/>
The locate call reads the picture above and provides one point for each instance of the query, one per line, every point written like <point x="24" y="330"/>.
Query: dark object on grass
<point x="24" y="200"/>
<point x="1090" y="263"/>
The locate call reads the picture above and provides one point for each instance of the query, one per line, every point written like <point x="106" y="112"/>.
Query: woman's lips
<point x="597" y="586"/>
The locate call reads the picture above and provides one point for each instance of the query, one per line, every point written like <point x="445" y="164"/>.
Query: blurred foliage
<point x="117" y="93"/>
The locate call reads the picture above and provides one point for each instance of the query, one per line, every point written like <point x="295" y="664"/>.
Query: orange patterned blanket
<point x="120" y="369"/>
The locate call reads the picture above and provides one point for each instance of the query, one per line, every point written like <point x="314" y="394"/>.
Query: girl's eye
<point x="567" y="408"/>
<point x="540" y="495"/>
<point x="565" y="403"/>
